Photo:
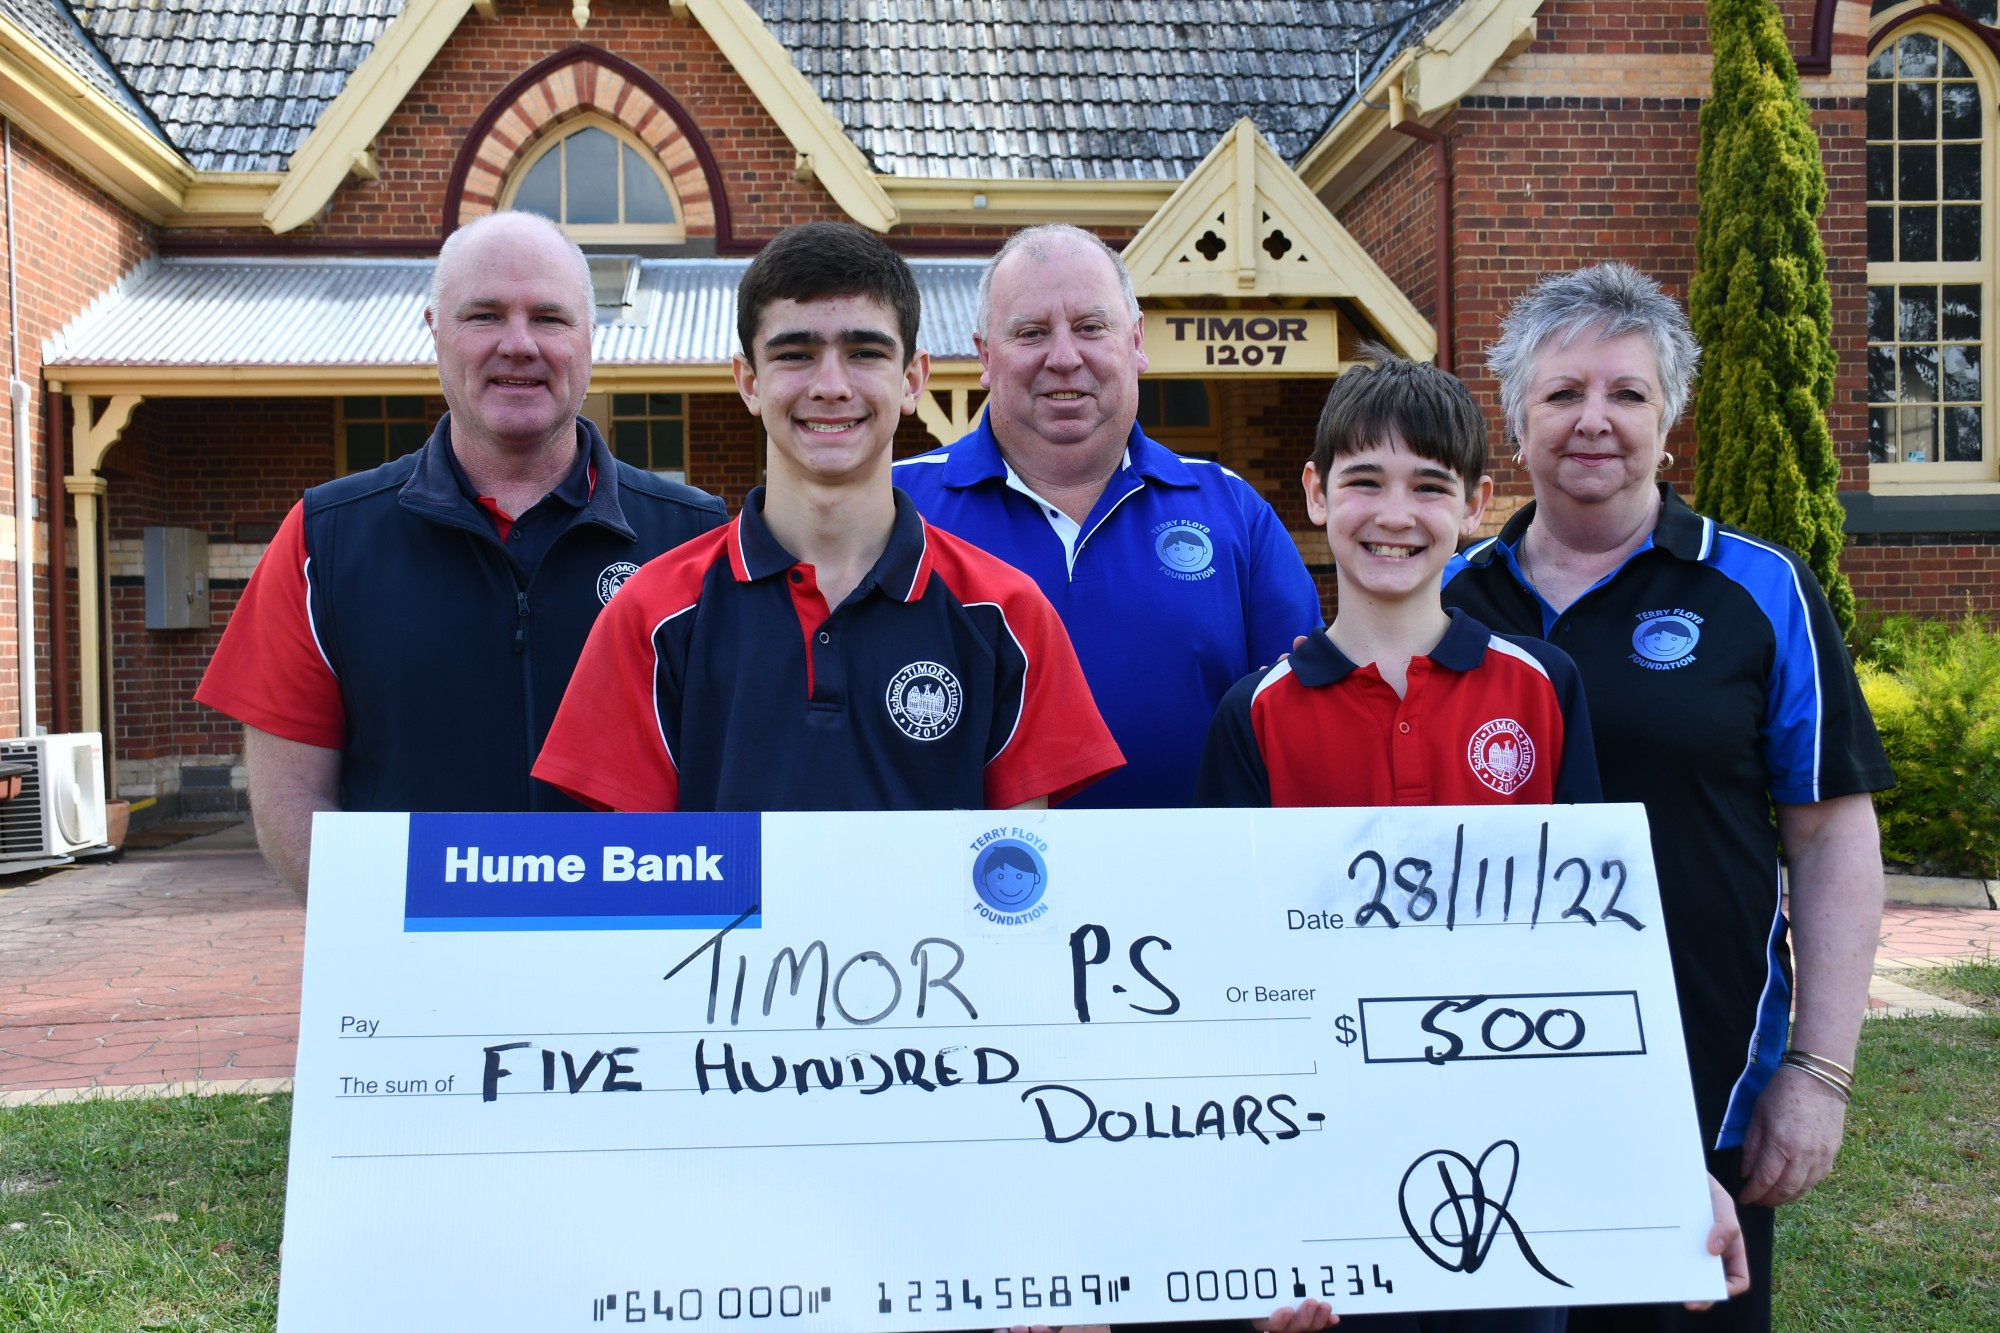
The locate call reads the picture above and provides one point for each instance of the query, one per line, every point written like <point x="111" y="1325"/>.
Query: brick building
<point x="219" y="218"/>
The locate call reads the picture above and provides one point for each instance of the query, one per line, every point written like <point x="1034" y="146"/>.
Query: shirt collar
<point x="1679" y="531"/>
<point x="1318" y="663"/>
<point x="976" y="458"/>
<point x="439" y="483"/>
<point x="902" y="570"/>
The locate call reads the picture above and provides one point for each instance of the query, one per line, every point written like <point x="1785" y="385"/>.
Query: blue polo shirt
<point x="719" y="679"/>
<point x="1179" y="582"/>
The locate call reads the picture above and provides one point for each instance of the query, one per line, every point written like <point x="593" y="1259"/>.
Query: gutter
<point x="1442" y="185"/>
<point x="18" y="394"/>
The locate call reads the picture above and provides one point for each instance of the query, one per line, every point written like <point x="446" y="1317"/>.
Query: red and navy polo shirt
<point x="717" y="679"/>
<point x="1486" y="719"/>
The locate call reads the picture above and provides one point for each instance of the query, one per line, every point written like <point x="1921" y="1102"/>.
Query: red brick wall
<point x="1544" y="181"/>
<point x="1935" y="577"/>
<point x="71" y="243"/>
<point x="213" y="465"/>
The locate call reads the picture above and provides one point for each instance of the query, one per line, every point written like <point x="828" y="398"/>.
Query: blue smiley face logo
<point x="1184" y="548"/>
<point x="1665" y="638"/>
<point x="1010" y="876"/>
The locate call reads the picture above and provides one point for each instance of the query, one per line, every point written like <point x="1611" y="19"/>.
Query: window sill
<point x="1969" y="508"/>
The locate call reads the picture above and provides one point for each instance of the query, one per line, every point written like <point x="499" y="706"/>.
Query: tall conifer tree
<point x="1760" y="303"/>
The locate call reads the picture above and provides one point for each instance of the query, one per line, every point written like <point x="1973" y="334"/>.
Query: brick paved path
<point x="178" y="969"/>
<point x="177" y="966"/>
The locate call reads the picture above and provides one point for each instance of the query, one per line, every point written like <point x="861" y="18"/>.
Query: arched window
<point x="600" y="185"/>
<point x="1931" y="408"/>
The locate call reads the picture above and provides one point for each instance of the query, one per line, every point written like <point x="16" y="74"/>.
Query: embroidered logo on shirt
<point x="1184" y="549"/>
<point x="924" y="700"/>
<point x="1502" y="755"/>
<point x="612" y="578"/>
<point x="1010" y="876"/>
<point x="1666" y="639"/>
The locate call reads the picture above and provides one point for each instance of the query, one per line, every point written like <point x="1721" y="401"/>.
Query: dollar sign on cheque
<point x="1344" y="1032"/>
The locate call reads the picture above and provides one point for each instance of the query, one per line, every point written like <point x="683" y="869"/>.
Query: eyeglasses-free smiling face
<point x="830" y="385"/>
<point x="1392" y="519"/>
<point x="1594" y="418"/>
<point x="1061" y="354"/>
<point x="513" y="338"/>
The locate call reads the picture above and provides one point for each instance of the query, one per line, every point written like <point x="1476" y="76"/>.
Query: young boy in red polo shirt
<point x="828" y="649"/>
<point x="1398" y="702"/>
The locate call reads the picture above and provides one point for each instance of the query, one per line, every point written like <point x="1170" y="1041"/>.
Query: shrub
<point x="1934" y="689"/>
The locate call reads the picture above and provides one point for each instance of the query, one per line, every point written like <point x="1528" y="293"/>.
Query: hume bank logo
<point x="583" y="872"/>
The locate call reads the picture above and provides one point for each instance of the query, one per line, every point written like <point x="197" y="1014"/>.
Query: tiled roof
<point x="370" y="312"/>
<point x="1084" y="89"/>
<point x="236" y="84"/>
<point x="51" y="23"/>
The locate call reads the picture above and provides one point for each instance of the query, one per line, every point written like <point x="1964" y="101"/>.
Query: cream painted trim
<point x="837" y="163"/>
<point x="308" y="381"/>
<point x="112" y="148"/>
<point x="944" y="406"/>
<point x="229" y="198"/>
<point x="1434" y="74"/>
<point x="1022" y="203"/>
<point x="1242" y="178"/>
<point x="371" y="95"/>
<point x="93" y="438"/>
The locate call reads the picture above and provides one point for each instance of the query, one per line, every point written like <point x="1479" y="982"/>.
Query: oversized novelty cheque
<point x="970" y="1069"/>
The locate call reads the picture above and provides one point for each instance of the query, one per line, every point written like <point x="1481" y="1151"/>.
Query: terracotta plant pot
<point x="117" y="822"/>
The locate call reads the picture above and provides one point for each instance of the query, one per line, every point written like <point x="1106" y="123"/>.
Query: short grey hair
<point x="587" y="290"/>
<point x="1040" y="243"/>
<point x="1612" y="300"/>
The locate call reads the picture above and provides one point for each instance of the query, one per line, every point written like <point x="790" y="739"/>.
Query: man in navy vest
<point x="1172" y="575"/>
<point x="405" y="641"/>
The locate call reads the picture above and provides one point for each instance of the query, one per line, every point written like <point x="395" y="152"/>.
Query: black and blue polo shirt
<point x="719" y="679"/>
<point x="1718" y="684"/>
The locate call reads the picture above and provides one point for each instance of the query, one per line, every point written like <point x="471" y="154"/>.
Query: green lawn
<point x="1905" y="1234"/>
<point x="118" y="1216"/>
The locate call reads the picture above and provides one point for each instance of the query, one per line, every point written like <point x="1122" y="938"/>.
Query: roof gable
<point x="1244" y="225"/>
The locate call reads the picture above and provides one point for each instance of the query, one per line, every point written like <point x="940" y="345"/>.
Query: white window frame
<point x="1939" y="478"/>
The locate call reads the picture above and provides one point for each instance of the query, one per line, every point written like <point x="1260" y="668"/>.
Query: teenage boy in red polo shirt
<point x="827" y="650"/>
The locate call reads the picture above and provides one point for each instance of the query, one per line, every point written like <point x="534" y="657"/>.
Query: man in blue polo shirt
<point x="1172" y="575"/>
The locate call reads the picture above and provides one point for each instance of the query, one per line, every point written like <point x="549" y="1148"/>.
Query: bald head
<point x="506" y="231"/>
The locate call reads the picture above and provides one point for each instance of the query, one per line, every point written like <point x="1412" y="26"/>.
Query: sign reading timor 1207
<point x="880" y="1073"/>
<point x="1275" y="342"/>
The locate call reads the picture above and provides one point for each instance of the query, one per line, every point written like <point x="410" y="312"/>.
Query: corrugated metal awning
<point x="190" y="326"/>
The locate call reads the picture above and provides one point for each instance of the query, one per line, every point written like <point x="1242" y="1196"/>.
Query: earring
<point x="1520" y="459"/>
<point x="1666" y="459"/>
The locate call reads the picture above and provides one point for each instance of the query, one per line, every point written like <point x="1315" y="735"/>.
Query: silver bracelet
<point x="1787" y="1062"/>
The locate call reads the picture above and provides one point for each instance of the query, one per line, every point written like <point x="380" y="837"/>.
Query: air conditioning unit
<point x="61" y="806"/>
